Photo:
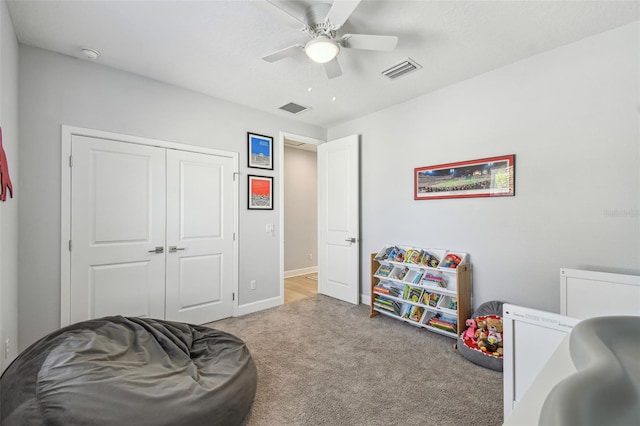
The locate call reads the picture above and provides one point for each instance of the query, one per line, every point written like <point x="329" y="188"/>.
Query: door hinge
<point x="234" y="296"/>
<point x="70" y="161"/>
<point x="69" y="245"/>
<point x="234" y="236"/>
<point x="234" y="175"/>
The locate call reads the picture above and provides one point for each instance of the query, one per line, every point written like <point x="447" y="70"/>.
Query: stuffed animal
<point x="481" y="339"/>
<point x="481" y="323"/>
<point x="469" y="334"/>
<point x="494" y="325"/>
<point x="493" y="341"/>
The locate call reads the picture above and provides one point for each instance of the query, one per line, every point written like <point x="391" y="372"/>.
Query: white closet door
<point x="118" y="219"/>
<point x="200" y="225"/>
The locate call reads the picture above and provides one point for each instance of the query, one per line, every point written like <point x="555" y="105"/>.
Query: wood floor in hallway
<point x="300" y="287"/>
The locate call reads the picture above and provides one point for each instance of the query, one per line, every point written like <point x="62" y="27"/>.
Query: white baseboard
<point x="303" y="271"/>
<point x="365" y="299"/>
<point x="260" y="305"/>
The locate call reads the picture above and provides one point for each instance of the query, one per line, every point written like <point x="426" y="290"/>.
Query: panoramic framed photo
<point x="260" y="193"/>
<point x="260" y="149"/>
<point x="487" y="177"/>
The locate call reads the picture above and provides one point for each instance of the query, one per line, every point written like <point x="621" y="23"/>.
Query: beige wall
<point x="300" y="209"/>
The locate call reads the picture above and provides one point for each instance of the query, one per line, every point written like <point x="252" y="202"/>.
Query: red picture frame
<point x="486" y="177"/>
<point x="260" y="192"/>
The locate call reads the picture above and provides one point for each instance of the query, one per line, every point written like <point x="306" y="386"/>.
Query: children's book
<point x="399" y="256"/>
<point x="394" y="291"/>
<point x="413" y="294"/>
<point x="453" y="304"/>
<point x="416" y="313"/>
<point x="433" y="299"/>
<point x="380" y="289"/>
<point x="414" y="256"/>
<point x="429" y="260"/>
<point x="384" y="254"/>
<point x="384" y="270"/>
<point x="432" y="279"/>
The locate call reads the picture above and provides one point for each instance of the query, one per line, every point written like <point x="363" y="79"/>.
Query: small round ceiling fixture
<point x="322" y="49"/>
<point x="90" y="54"/>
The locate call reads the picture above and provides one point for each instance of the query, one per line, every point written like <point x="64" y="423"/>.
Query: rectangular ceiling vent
<point x="293" y="108"/>
<point x="401" y="69"/>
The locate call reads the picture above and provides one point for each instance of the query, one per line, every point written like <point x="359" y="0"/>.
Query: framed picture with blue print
<point x="260" y="149"/>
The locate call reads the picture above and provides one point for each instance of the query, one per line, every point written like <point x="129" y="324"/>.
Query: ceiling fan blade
<point x="292" y="8"/>
<point x="283" y="53"/>
<point x="332" y="68"/>
<point x="340" y="11"/>
<point x="369" y="42"/>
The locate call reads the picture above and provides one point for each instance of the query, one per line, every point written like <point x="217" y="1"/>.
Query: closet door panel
<point x="200" y="226"/>
<point x="118" y="220"/>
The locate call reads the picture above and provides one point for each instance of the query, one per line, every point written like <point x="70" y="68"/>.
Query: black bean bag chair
<point x="470" y="351"/>
<point x="130" y="371"/>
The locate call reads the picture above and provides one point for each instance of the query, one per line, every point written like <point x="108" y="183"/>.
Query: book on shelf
<point x="443" y="323"/>
<point x="433" y="299"/>
<point x="448" y="302"/>
<point x="387" y="288"/>
<point x="400" y="256"/>
<point x="414" y="256"/>
<point x="412" y="294"/>
<point x="416" y="278"/>
<point x="453" y="304"/>
<point x="433" y="279"/>
<point x="394" y="291"/>
<point x="396" y="254"/>
<point x="388" y="304"/>
<point x="429" y="260"/>
<point x="416" y="313"/>
<point x="384" y="254"/>
<point x="425" y="298"/>
<point x="380" y="289"/>
<point x="384" y="270"/>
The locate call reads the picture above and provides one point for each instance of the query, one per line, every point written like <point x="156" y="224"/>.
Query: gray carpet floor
<point x="321" y="361"/>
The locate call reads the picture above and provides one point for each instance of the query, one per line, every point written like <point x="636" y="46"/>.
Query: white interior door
<point x="200" y="240"/>
<point x="339" y="219"/>
<point x="118" y="219"/>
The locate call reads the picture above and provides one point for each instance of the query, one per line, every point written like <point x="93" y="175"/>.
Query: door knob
<point x="157" y="250"/>
<point x="351" y="240"/>
<point x="173" y="249"/>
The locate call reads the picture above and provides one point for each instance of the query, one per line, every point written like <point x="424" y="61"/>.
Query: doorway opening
<point x="300" y="219"/>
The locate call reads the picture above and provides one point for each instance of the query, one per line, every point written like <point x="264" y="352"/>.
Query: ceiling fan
<point x="321" y="22"/>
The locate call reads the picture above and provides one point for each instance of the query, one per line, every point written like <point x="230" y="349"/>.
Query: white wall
<point x="56" y="90"/>
<point x="9" y="208"/>
<point x="571" y="116"/>
<point x="300" y="209"/>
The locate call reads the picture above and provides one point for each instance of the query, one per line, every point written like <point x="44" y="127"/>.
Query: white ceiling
<point x="215" y="47"/>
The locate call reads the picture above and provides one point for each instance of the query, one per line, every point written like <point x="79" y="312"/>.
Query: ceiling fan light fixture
<point x="322" y="49"/>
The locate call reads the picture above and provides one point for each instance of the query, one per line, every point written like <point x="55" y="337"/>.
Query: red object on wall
<point x="5" y="180"/>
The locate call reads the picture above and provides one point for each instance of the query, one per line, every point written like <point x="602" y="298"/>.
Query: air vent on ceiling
<point x="402" y="68"/>
<point x="293" y="108"/>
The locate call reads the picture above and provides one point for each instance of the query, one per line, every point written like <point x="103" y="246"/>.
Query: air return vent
<point x="293" y="108"/>
<point x="401" y="69"/>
